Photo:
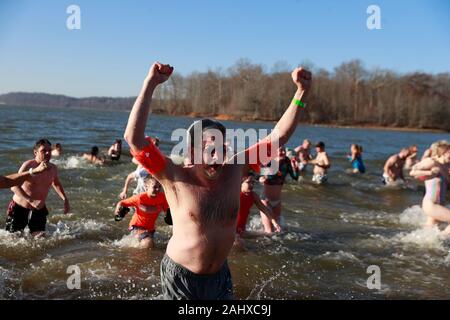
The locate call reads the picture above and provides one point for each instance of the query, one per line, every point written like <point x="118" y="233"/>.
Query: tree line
<point x="348" y="95"/>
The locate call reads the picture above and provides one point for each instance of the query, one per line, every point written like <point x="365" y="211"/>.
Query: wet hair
<point x="58" y="145"/>
<point x="203" y="125"/>
<point x="320" y="144"/>
<point x="412" y="147"/>
<point x="41" y="142"/>
<point x="441" y="148"/>
<point x="119" y="141"/>
<point x="94" y="151"/>
<point x="438" y="144"/>
<point x="405" y="150"/>
<point x="358" y="147"/>
<point x="148" y="179"/>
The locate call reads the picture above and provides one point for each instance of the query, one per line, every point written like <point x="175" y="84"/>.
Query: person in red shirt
<point x="148" y="205"/>
<point x="248" y="198"/>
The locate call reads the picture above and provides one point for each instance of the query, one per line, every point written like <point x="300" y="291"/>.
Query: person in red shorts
<point x="148" y="205"/>
<point x="248" y="198"/>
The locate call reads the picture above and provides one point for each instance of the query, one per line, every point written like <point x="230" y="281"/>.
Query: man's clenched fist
<point x="302" y="78"/>
<point x="159" y="73"/>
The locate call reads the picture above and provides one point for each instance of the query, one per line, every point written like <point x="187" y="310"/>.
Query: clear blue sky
<point x="119" y="40"/>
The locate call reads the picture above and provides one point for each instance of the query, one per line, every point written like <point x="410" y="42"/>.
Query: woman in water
<point x="434" y="171"/>
<point x="356" y="159"/>
<point x="273" y="184"/>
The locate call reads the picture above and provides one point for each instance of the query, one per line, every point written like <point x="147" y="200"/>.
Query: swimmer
<point x="115" y="151"/>
<point x="393" y="168"/>
<point x="303" y="155"/>
<point x="248" y="198"/>
<point x="27" y="207"/>
<point x="203" y="192"/>
<point x="434" y="172"/>
<point x="273" y="185"/>
<point x="148" y="206"/>
<point x="411" y="160"/>
<point x="93" y="156"/>
<point x="356" y="159"/>
<point x="321" y="164"/>
<point x="16" y="179"/>
<point x="57" y="150"/>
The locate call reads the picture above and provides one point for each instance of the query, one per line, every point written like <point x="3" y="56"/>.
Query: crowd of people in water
<point x="208" y="204"/>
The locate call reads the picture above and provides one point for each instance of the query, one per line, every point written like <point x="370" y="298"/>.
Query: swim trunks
<point x="301" y="166"/>
<point x="179" y="283"/>
<point x="386" y="179"/>
<point x="319" y="178"/>
<point x="19" y="217"/>
<point x="272" y="203"/>
<point x="144" y="234"/>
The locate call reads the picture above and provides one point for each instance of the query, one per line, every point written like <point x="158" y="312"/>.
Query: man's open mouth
<point x="212" y="169"/>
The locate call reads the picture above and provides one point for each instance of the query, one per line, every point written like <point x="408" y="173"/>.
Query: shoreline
<point x="226" y="117"/>
<point x="374" y="127"/>
<point x="369" y="127"/>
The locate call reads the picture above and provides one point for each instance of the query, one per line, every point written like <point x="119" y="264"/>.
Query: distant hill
<point x="60" y="101"/>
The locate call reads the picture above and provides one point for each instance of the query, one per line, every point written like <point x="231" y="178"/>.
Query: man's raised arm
<point x="135" y="131"/>
<point x="285" y="127"/>
<point x="142" y="148"/>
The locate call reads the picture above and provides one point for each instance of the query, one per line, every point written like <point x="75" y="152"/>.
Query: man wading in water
<point x="203" y="195"/>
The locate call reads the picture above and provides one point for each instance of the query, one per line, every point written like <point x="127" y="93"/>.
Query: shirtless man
<point x="321" y="164"/>
<point x="411" y="160"/>
<point x="28" y="204"/>
<point x="393" y="168"/>
<point x="204" y="198"/>
<point x="304" y="155"/>
<point x="94" y="157"/>
<point x="16" y="179"/>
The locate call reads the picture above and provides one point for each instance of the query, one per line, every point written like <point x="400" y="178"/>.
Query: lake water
<point x="332" y="233"/>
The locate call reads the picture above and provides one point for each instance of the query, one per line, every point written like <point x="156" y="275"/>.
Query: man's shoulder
<point x="393" y="158"/>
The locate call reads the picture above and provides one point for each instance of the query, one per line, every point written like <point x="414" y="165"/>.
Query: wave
<point x="55" y="234"/>
<point x="72" y="162"/>
<point x="413" y="216"/>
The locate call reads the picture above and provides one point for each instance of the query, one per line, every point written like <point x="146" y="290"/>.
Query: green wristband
<point x="298" y="103"/>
